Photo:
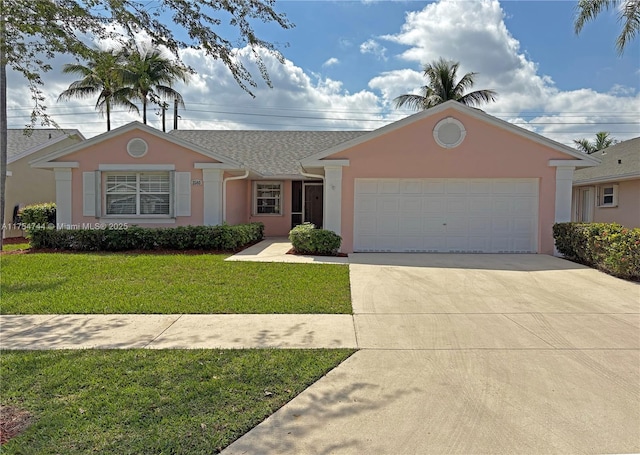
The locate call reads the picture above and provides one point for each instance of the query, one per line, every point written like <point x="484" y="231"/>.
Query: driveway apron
<point x="473" y="354"/>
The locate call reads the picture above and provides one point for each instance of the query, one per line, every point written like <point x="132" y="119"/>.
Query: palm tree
<point x="150" y="75"/>
<point x="102" y="76"/>
<point x="628" y="16"/>
<point x="442" y="86"/>
<point x="601" y="142"/>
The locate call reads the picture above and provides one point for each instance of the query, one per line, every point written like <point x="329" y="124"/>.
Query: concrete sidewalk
<point x="175" y="331"/>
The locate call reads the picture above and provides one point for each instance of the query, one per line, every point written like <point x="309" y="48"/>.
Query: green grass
<point x="150" y="283"/>
<point x="151" y="402"/>
<point x="16" y="246"/>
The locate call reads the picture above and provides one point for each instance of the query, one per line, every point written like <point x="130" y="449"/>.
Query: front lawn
<point x="151" y="402"/>
<point x="63" y="283"/>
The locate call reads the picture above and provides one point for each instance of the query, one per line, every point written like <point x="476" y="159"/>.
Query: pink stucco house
<point x="448" y="179"/>
<point x="610" y="193"/>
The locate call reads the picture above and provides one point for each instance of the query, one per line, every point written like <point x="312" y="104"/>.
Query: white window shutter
<point x="89" y="194"/>
<point x="183" y="193"/>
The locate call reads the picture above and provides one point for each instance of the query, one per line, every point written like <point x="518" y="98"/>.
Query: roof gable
<point x="49" y="158"/>
<point x="459" y="107"/>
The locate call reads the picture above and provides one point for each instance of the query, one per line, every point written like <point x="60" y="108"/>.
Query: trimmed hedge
<point x="220" y="238"/>
<point x="306" y="239"/>
<point x="38" y="216"/>
<point x="609" y="247"/>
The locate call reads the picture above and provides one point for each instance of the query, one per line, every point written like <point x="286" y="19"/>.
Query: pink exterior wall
<point x="114" y="151"/>
<point x="627" y="213"/>
<point x="274" y="225"/>
<point x="238" y="202"/>
<point x="486" y="152"/>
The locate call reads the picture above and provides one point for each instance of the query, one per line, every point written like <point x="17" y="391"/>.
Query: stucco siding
<point x="627" y="212"/>
<point x="27" y="185"/>
<point x="487" y="152"/>
<point x="160" y="152"/>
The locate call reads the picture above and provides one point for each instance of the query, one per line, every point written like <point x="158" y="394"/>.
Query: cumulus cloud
<point x="331" y="62"/>
<point x="475" y="34"/>
<point x="373" y="47"/>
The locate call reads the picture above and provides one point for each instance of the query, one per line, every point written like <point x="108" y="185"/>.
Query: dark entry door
<point x="313" y="204"/>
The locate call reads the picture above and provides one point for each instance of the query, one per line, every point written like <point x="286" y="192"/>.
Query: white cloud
<point x="475" y="34"/>
<point x="373" y="47"/>
<point x="331" y="62"/>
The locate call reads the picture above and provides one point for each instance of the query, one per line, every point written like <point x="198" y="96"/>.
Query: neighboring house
<point x="26" y="185"/>
<point x="610" y="193"/>
<point x="448" y="179"/>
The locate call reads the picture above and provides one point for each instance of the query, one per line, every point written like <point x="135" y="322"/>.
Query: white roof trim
<point x="609" y="178"/>
<point x="125" y="129"/>
<point x="216" y="166"/>
<point x="572" y="163"/>
<point x="46" y="144"/>
<point x="472" y="112"/>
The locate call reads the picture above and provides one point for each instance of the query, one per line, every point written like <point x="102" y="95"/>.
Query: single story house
<point x="26" y="185"/>
<point x="448" y="179"/>
<point x="610" y="193"/>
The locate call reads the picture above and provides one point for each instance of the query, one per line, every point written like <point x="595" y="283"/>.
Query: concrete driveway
<point x="473" y="354"/>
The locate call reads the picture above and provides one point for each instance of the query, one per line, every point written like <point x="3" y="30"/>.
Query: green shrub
<point x="38" y="216"/>
<point x="219" y="238"/>
<point x="306" y="239"/>
<point x="609" y="247"/>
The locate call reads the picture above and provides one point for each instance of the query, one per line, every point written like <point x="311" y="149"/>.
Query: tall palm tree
<point x="601" y="142"/>
<point x="628" y="16"/>
<point x="151" y="75"/>
<point x="442" y="86"/>
<point x="102" y="76"/>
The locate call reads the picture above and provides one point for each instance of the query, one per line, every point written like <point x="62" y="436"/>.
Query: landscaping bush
<point x="609" y="247"/>
<point x="306" y="239"/>
<point x="219" y="238"/>
<point x="38" y="216"/>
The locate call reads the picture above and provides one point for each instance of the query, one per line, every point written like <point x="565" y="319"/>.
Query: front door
<point x="313" y="203"/>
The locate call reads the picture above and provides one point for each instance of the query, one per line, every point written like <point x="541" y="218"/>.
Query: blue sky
<point x="347" y="60"/>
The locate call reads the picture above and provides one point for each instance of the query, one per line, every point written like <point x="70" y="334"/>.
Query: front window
<point x="608" y="196"/>
<point x="140" y="193"/>
<point x="267" y="198"/>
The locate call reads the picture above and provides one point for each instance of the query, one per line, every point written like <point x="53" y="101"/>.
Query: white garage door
<point x="446" y="215"/>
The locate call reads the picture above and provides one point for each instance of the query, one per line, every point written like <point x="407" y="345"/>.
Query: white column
<point x="63" y="195"/>
<point x="564" y="186"/>
<point x="332" y="209"/>
<point x="212" y="181"/>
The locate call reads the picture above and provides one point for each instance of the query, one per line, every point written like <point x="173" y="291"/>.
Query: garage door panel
<point x="446" y="215"/>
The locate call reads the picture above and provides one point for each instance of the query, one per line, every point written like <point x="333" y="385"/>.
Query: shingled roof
<point x="280" y="152"/>
<point x="619" y="162"/>
<point x="20" y="144"/>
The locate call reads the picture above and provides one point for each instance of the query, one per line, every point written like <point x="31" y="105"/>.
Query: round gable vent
<point x="137" y="148"/>
<point x="449" y="133"/>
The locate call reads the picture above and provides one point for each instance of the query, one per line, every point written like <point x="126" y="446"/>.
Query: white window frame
<point x="171" y="194"/>
<point x="603" y="193"/>
<point x="257" y="198"/>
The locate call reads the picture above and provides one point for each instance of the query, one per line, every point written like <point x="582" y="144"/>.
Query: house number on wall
<point x="196" y="182"/>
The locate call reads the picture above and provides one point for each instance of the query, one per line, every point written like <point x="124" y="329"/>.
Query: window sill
<point x="608" y="206"/>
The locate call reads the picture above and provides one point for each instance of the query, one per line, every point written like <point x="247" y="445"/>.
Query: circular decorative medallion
<point x="137" y="147"/>
<point x="449" y="133"/>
